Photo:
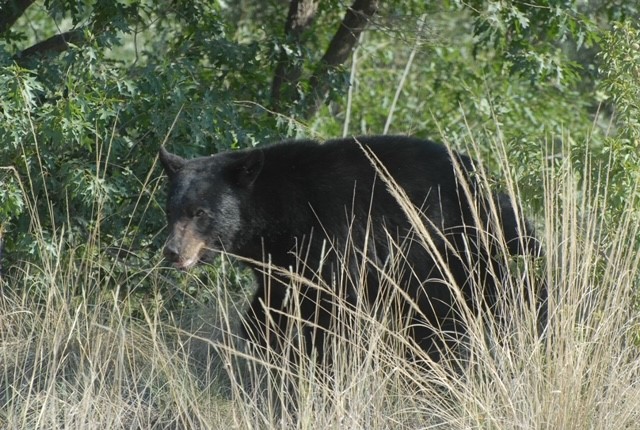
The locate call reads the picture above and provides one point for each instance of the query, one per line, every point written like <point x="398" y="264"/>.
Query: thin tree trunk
<point x="354" y="23"/>
<point x="289" y="70"/>
<point x="54" y="44"/>
<point x="10" y="11"/>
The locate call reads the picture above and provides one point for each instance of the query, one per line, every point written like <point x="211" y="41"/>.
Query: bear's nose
<point x="170" y="252"/>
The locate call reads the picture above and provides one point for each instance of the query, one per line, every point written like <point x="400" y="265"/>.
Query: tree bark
<point x="54" y="44"/>
<point x="354" y="23"/>
<point x="288" y="71"/>
<point x="10" y="11"/>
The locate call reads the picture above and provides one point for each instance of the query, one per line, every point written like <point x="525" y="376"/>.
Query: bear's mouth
<point x="184" y="252"/>
<point x="186" y="264"/>
<point x="203" y="255"/>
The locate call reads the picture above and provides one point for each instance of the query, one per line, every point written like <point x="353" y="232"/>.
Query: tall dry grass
<point x="80" y="361"/>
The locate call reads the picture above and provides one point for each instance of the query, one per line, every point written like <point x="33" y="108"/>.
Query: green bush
<point x="81" y="124"/>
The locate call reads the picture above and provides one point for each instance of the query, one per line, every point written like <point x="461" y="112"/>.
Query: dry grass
<point x="78" y="362"/>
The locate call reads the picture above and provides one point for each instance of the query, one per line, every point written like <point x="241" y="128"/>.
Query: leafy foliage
<point x="90" y="90"/>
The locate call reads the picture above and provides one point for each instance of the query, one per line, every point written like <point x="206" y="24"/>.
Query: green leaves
<point x="12" y="200"/>
<point x="620" y="68"/>
<point x="81" y="119"/>
<point x="536" y="41"/>
<point x="81" y="124"/>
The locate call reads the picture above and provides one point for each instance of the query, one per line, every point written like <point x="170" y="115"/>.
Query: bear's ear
<point x="245" y="170"/>
<point x="171" y="162"/>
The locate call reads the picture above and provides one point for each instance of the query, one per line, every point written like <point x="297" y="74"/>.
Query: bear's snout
<point x="184" y="251"/>
<point x="171" y="252"/>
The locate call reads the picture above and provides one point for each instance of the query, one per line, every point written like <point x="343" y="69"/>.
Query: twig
<point x="352" y="78"/>
<point x="1" y="249"/>
<point x="405" y="73"/>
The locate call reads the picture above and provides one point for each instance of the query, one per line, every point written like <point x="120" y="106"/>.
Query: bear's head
<point x="205" y="203"/>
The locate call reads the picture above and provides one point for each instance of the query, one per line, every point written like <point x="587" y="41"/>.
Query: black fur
<point x="290" y="201"/>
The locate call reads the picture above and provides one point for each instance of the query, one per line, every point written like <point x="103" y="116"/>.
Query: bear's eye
<point x="198" y="213"/>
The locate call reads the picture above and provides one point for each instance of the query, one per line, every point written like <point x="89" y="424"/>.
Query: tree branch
<point x="55" y="44"/>
<point x="340" y="47"/>
<point x="10" y="11"/>
<point x="288" y="72"/>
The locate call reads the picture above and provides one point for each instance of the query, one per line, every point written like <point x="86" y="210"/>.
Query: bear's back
<point x="341" y="173"/>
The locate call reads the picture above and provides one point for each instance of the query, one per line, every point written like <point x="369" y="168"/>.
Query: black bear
<point x="326" y="211"/>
